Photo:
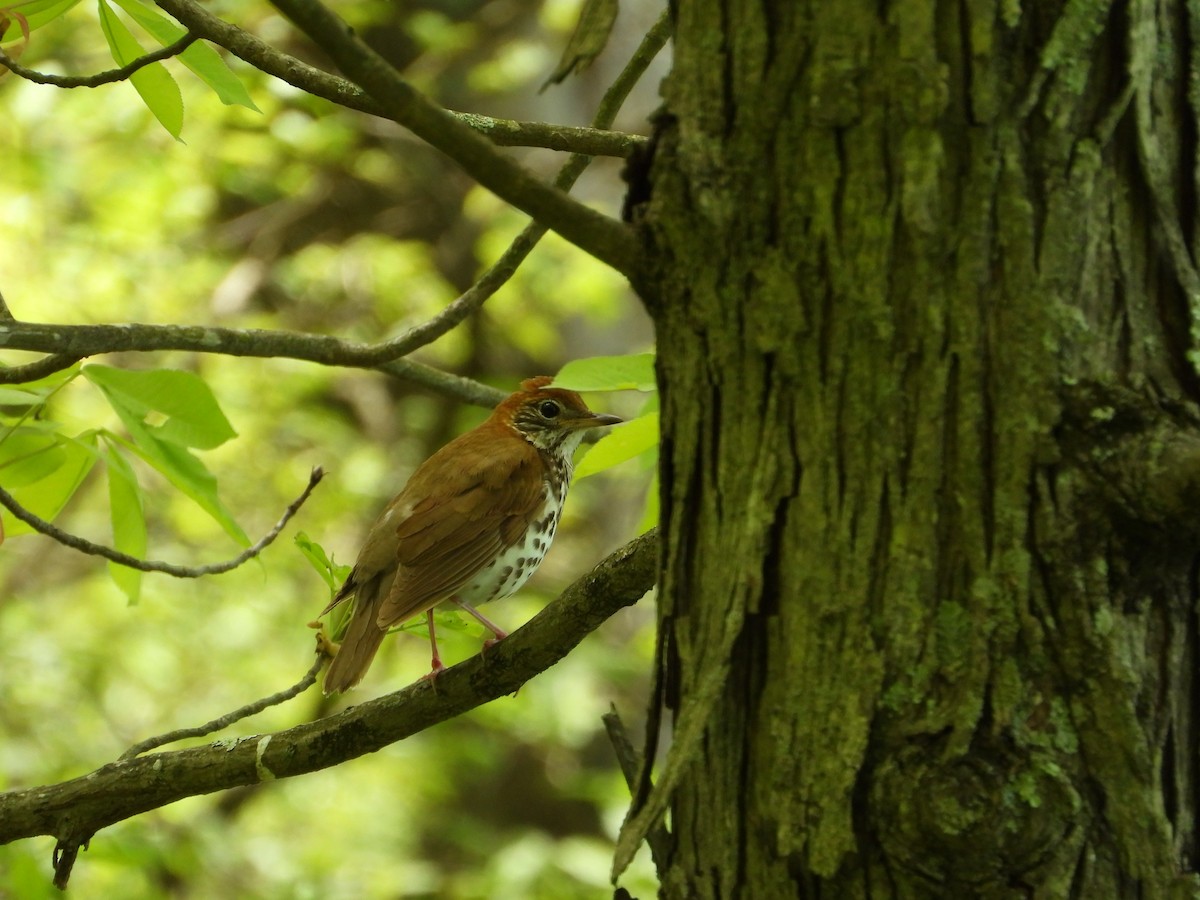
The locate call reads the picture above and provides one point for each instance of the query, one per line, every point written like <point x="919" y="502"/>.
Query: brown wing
<point x="465" y="509"/>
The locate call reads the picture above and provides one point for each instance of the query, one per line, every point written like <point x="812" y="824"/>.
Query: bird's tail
<point x="361" y="642"/>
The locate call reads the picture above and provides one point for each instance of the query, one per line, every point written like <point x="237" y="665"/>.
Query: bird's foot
<point x="327" y="647"/>
<point x="493" y="641"/>
<point x="437" y="667"/>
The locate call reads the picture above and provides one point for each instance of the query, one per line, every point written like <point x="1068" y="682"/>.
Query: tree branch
<point x="88" y="341"/>
<point x="592" y="141"/>
<point x="499" y="273"/>
<point x="108" y="77"/>
<point x="659" y="838"/>
<point x="47" y="365"/>
<point x="40" y="525"/>
<point x="69" y="343"/>
<point x="73" y="811"/>
<point x="502" y="132"/>
<point x="603" y="237"/>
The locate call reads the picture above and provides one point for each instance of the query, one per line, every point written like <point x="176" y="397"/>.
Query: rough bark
<point x="929" y="562"/>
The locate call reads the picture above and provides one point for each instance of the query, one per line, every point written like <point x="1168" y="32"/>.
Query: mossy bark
<point x="923" y="321"/>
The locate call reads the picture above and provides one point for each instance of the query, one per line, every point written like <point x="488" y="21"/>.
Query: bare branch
<point x="456" y="387"/>
<point x="603" y="237"/>
<point x="222" y="722"/>
<point x="502" y="132"/>
<point x="47" y="365"/>
<point x="108" y="77"/>
<point x="594" y="141"/>
<point x="630" y="762"/>
<point x="74" y="810"/>
<point x="149" y="565"/>
<point x="80" y="341"/>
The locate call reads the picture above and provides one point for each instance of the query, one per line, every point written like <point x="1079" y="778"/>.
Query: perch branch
<point x="149" y="565"/>
<point x="73" y="811"/>
<point x="107" y="77"/>
<point x="603" y="237"/>
<point x="595" y="141"/>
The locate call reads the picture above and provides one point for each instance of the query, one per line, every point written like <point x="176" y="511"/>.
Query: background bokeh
<point x="308" y="218"/>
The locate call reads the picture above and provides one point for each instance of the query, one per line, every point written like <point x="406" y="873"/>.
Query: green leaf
<point x="210" y="68"/>
<point x="333" y="574"/>
<point x="201" y="58"/>
<point x="36" y="12"/>
<point x="587" y="41"/>
<point x="634" y="372"/>
<point x="14" y="397"/>
<point x="47" y="496"/>
<point x="622" y="442"/>
<point x="184" y="471"/>
<point x="194" y="418"/>
<point x="175" y="462"/>
<point x="128" y="521"/>
<point x="27" y="455"/>
<point x="154" y="83"/>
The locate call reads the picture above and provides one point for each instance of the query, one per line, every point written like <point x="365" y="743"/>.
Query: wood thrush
<point x="471" y="525"/>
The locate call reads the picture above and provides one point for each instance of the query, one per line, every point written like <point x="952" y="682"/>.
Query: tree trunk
<point x="928" y="600"/>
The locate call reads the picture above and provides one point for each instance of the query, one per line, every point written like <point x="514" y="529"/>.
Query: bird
<point x="471" y="525"/>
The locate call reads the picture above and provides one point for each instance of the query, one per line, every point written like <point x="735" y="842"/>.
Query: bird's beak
<point x="596" y="420"/>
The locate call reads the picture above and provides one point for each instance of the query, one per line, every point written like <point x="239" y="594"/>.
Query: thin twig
<point x="658" y="837"/>
<point x="222" y="722"/>
<point x="148" y="565"/>
<point x="107" y="77"/>
<point x="5" y="313"/>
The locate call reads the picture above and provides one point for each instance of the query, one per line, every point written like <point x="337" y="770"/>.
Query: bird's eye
<point x="549" y="409"/>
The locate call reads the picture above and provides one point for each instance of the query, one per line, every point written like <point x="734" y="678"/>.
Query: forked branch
<point x="604" y="238"/>
<point x="595" y="141"/>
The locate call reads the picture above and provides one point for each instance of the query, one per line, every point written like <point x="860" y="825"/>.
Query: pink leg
<point x="500" y="633"/>
<point x="437" y="665"/>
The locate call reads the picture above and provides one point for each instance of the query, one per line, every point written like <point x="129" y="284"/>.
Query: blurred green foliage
<point x="307" y="218"/>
